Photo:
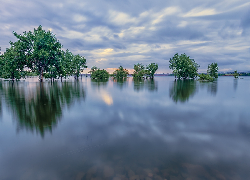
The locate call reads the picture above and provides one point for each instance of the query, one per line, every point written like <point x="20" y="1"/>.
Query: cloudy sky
<point x="110" y="33"/>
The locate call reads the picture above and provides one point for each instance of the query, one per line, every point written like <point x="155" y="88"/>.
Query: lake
<point x="152" y="129"/>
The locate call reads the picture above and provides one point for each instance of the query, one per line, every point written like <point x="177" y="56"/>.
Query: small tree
<point x="139" y="71"/>
<point x="183" y="66"/>
<point x="236" y="74"/>
<point x="120" y="73"/>
<point x="213" y="70"/>
<point x="151" y="69"/>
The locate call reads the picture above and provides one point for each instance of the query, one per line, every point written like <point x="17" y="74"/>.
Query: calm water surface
<point x="161" y="129"/>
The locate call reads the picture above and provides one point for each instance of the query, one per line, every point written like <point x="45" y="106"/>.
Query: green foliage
<point x="78" y="64"/>
<point x="12" y="63"/>
<point x="151" y="69"/>
<point x="213" y="70"/>
<point x="41" y="52"/>
<point x="236" y="74"/>
<point x="205" y="77"/>
<point x="96" y="73"/>
<point x="139" y="71"/>
<point x="183" y="66"/>
<point x="120" y="73"/>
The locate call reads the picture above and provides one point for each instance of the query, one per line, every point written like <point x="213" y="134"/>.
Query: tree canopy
<point x="183" y="67"/>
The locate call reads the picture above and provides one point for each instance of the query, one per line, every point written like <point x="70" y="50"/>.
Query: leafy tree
<point x="120" y="73"/>
<point x="96" y="73"/>
<point x="236" y="74"/>
<point x="183" y="66"/>
<point x="78" y="64"/>
<point x="42" y="50"/>
<point x="213" y="70"/>
<point x="12" y="63"/>
<point x="151" y="69"/>
<point x="139" y="71"/>
<point x="205" y="77"/>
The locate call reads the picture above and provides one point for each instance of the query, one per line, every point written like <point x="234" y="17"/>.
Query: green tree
<point x="43" y="51"/>
<point x="12" y="63"/>
<point x="139" y="71"/>
<point x="120" y="73"/>
<point x="96" y="73"/>
<point x="151" y="69"/>
<point x="183" y="67"/>
<point x="213" y="70"/>
<point x="236" y="74"/>
<point x="78" y="64"/>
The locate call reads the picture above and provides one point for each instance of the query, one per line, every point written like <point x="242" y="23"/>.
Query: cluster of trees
<point x="139" y="72"/>
<point x="183" y="68"/>
<point x="40" y="52"/>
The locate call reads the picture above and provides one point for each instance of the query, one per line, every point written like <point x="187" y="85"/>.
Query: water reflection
<point x="99" y="83"/>
<point x="148" y="84"/>
<point x="210" y="86"/>
<point x="182" y="90"/>
<point x="121" y="83"/>
<point x="39" y="106"/>
<point x="235" y="84"/>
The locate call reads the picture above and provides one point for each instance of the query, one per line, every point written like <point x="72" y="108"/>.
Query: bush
<point x="205" y="77"/>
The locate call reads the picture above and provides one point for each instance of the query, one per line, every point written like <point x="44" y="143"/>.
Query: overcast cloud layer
<point x="111" y="33"/>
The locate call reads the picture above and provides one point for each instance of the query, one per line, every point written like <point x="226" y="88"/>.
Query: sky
<point x="110" y="33"/>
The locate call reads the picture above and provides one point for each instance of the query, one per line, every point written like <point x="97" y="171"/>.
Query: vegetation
<point x="236" y="74"/>
<point x="40" y="52"/>
<point x="96" y="73"/>
<point x="213" y="70"/>
<point x="151" y="69"/>
<point x="139" y="71"/>
<point x="205" y="77"/>
<point x="183" y="67"/>
<point x="120" y="73"/>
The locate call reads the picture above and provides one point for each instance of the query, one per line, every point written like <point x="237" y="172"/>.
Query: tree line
<point x="40" y="53"/>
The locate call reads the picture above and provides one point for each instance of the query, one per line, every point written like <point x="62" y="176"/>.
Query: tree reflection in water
<point x="148" y="84"/>
<point x="39" y="106"/>
<point x="182" y="90"/>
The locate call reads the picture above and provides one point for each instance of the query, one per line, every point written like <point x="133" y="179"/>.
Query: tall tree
<point x="183" y="66"/>
<point x="213" y="70"/>
<point x="78" y="64"/>
<point x="43" y="51"/>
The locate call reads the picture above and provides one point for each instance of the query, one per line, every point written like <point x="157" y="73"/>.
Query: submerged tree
<point x="96" y="73"/>
<point x="183" y="66"/>
<point x="139" y="71"/>
<point x="12" y="63"/>
<point x="236" y="74"/>
<point x="213" y="70"/>
<point x="120" y="73"/>
<point x="41" y="52"/>
<point x="151" y="69"/>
